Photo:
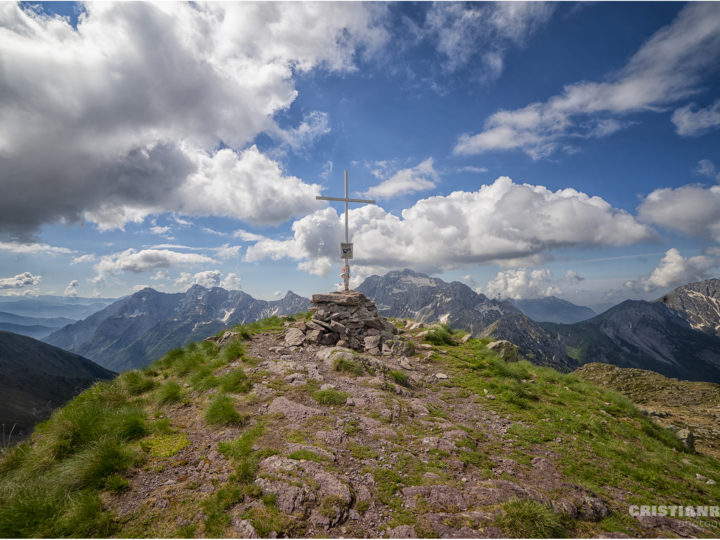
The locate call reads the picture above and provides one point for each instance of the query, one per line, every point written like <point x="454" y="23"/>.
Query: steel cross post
<point x="346" y="200"/>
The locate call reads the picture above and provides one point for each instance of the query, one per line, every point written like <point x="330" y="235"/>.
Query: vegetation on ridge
<point x="82" y="472"/>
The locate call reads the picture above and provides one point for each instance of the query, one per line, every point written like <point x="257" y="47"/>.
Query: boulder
<point x="507" y="351"/>
<point x="294" y="337"/>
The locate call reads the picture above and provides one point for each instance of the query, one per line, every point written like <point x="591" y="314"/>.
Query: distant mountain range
<point x="35" y="378"/>
<point x="138" y="329"/>
<point x="422" y="298"/>
<point x="675" y="336"/>
<point x="34" y="327"/>
<point x="47" y="306"/>
<point x="553" y="309"/>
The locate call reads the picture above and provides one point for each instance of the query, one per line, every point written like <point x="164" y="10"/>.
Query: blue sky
<point x="525" y="149"/>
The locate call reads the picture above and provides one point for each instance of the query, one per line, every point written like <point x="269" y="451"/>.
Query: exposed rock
<point x="505" y="349"/>
<point x="402" y="531"/>
<point x="292" y="411"/>
<point x="351" y="320"/>
<point x="687" y="438"/>
<point x="294" y="337"/>
<point x="244" y="528"/>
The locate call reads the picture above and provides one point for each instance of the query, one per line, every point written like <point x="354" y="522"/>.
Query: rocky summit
<point x="264" y="432"/>
<point x="348" y="319"/>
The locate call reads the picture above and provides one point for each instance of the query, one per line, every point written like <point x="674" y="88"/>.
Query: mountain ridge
<point x="137" y="329"/>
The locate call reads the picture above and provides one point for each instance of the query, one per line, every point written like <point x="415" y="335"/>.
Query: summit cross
<point x="346" y="248"/>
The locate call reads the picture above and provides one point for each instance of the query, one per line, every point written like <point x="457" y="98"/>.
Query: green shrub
<point x="169" y="392"/>
<point x="400" y="377"/>
<point x="529" y="519"/>
<point x="235" y="382"/>
<point x="221" y="411"/>
<point x="330" y="397"/>
<point x="116" y="484"/>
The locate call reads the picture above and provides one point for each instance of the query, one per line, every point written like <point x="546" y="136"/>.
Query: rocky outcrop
<point x="347" y="319"/>
<point x="698" y="303"/>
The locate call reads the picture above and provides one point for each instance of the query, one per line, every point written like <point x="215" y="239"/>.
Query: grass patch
<point x="169" y="392"/>
<point x="221" y="411"/>
<point x="235" y="382"/>
<point x="529" y="519"/>
<point x="306" y="455"/>
<point x="439" y="336"/>
<point x="330" y="397"/>
<point x="348" y="366"/>
<point x="164" y="446"/>
<point x="136" y="383"/>
<point x="400" y="377"/>
<point x="231" y="351"/>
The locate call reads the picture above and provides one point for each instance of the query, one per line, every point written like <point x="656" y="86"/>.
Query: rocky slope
<point x="553" y="309"/>
<point x="263" y="438"/>
<point x="422" y="298"/>
<point x="697" y="303"/>
<point x="36" y="378"/>
<point x="643" y="335"/>
<point x="694" y="406"/>
<point x="136" y="330"/>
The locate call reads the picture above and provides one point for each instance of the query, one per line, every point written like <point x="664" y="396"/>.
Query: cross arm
<point x="340" y="199"/>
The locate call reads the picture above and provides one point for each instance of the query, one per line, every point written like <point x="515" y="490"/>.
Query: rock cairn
<point x="347" y="319"/>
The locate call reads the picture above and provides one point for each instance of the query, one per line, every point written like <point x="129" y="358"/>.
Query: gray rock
<point x="402" y="531"/>
<point x="294" y="337"/>
<point x="687" y="438"/>
<point x="505" y="349"/>
<point x="244" y="528"/>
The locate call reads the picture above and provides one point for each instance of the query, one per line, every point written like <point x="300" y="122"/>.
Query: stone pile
<point x="348" y="319"/>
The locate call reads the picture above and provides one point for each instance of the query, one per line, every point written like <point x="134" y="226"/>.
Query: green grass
<point x="232" y="351"/>
<point x="348" y="366"/>
<point x="307" y="455"/>
<point x="439" y="336"/>
<point x="169" y="392"/>
<point x="163" y="446"/>
<point x="136" y="383"/>
<point x="330" y="397"/>
<point x="235" y="382"/>
<point x="221" y="411"/>
<point x="529" y="519"/>
<point x="400" y="377"/>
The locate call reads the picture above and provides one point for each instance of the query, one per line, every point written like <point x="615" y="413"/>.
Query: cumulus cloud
<point x="691" y="120"/>
<point x="226" y="251"/>
<point x="132" y="260"/>
<point x="130" y="106"/>
<point x="501" y="221"/>
<point x="300" y="138"/>
<point x="209" y="279"/>
<point x="674" y="270"/>
<point x="20" y="281"/>
<point x="419" y="178"/>
<point x="667" y="68"/>
<point x="522" y="283"/>
<point x="481" y="33"/>
<point x="72" y="289"/>
<point x="692" y="209"/>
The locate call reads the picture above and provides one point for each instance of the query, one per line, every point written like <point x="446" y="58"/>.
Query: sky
<point x="525" y="149"/>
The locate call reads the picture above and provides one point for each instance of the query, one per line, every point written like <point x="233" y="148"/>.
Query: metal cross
<point x="346" y="273"/>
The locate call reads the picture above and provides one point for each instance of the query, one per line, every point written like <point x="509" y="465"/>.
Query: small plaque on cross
<point x="346" y="251"/>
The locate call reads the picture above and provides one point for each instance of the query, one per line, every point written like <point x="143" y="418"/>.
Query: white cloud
<point x="668" y="67"/>
<point x="472" y="169"/>
<point x="247" y="236"/>
<point x="71" y="289"/>
<point x="33" y="249"/>
<point x="705" y="167"/>
<point x="481" y="33"/>
<point x="160" y="275"/>
<point x="419" y="178"/>
<point x="20" y="281"/>
<point x="209" y="279"/>
<point x="689" y="120"/>
<point x="692" y="209"/>
<point x="226" y="251"/>
<point x="300" y="138"/>
<point x="675" y="270"/>
<point x="522" y="283"/>
<point x="157" y="229"/>
<point x="82" y="259"/>
<point x="499" y="222"/>
<point x="132" y="260"/>
<point x="129" y="106"/>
